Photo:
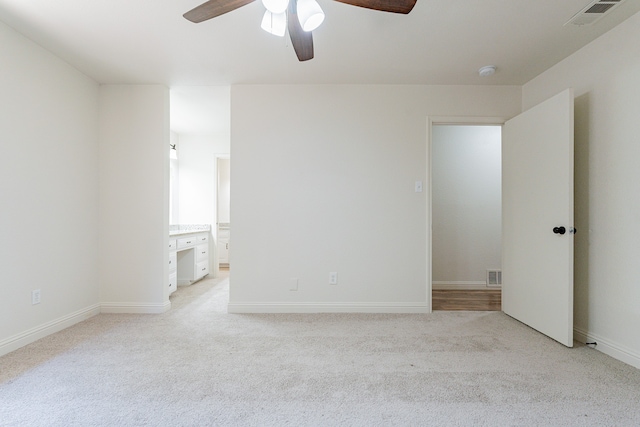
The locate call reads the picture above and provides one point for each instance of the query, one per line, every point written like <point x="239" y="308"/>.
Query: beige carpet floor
<point x="196" y="365"/>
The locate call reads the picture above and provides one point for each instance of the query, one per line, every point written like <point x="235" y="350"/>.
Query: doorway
<point x="466" y="216"/>
<point x="223" y="203"/>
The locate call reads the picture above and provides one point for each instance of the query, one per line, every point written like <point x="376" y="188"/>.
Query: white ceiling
<point x="439" y="42"/>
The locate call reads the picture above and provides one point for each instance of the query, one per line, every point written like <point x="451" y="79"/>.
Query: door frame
<point x="216" y="263"/>
<point x="445" y="120"/>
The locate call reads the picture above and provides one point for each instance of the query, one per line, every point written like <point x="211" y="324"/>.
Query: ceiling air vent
<point x="594" y="11"/>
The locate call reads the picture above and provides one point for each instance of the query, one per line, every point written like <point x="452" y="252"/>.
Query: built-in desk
<point x="188" y="254"/>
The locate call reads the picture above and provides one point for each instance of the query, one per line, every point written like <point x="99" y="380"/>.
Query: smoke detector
<point x="487" y="70"/>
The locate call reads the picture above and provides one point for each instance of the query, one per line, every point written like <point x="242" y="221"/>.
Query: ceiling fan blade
<point x="214" y="8"/>
<point x="301" y="40"/>
<point x="395" y="6"/>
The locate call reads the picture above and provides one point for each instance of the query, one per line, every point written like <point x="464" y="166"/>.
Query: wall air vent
<point x="593" y="12"/>
<point x="494" y="278"/>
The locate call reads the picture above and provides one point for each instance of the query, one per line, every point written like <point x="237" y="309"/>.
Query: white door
<point x="537" y="204"/>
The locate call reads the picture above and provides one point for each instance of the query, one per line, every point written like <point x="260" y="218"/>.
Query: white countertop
<point x="178" y="229"/>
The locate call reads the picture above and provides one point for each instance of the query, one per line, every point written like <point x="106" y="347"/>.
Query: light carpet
<point x="197" y="365"/>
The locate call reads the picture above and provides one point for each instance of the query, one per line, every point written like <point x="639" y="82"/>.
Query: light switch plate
<point x="35" y="297"/>
<point x="418" y="186"/>
<point x="333" y="278"/>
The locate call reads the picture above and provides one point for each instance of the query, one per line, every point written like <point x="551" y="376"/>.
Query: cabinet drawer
<point x="224" y="234"/>
<point x="202" y="269"/>
<point x="202" y="252"/>
<point x="172" y="244"/>
<point x="202" y="238"/>
<point x="173" y="281"/>
<point x="186" y="242"/>
<point x="173" y="261"/>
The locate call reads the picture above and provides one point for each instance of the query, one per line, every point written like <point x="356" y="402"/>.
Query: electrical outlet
<point x="293" y="284"/>
<point x="35" y="297"/>
<point x="333" y="278"/>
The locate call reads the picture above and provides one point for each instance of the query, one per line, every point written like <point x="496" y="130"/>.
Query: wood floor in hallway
<point x="469" y="300"/>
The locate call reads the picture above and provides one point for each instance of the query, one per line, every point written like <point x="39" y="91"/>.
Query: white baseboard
<point x="285" y="307"/>
<point x="27" y="337"/>
<point x="468" y="285"/>
<point x="187" y="282"/>
<point x="608" y="347"/>
<point x="134" y="307"/>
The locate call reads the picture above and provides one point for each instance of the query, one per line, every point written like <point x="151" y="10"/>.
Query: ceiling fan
<point x="300" y="17"/>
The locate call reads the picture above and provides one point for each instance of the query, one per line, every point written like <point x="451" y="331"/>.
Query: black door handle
<point x="559" y="230"/>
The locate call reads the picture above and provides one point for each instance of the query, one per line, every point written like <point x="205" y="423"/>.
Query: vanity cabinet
<point x="202" y="259"/>
<point x="188" y="258"/>
<point x="224" y="236"/>
<point x="173" y="266"/>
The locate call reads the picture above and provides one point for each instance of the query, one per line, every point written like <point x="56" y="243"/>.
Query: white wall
<point x="224" y="190"/>
<point x="605" y="77"/>
<point x="466" y="196"/>
<point x="134" y="198"/>
<point x="323" y="180"/>
<point x="49" y="192"/>
<point x="174" y="182"/>
<point x="197" y="163"/>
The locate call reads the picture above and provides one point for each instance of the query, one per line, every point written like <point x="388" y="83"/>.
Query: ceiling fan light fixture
<point x="276" y="6"/>
<point x="274" y="23"/>
<point x="310" y="14"/>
